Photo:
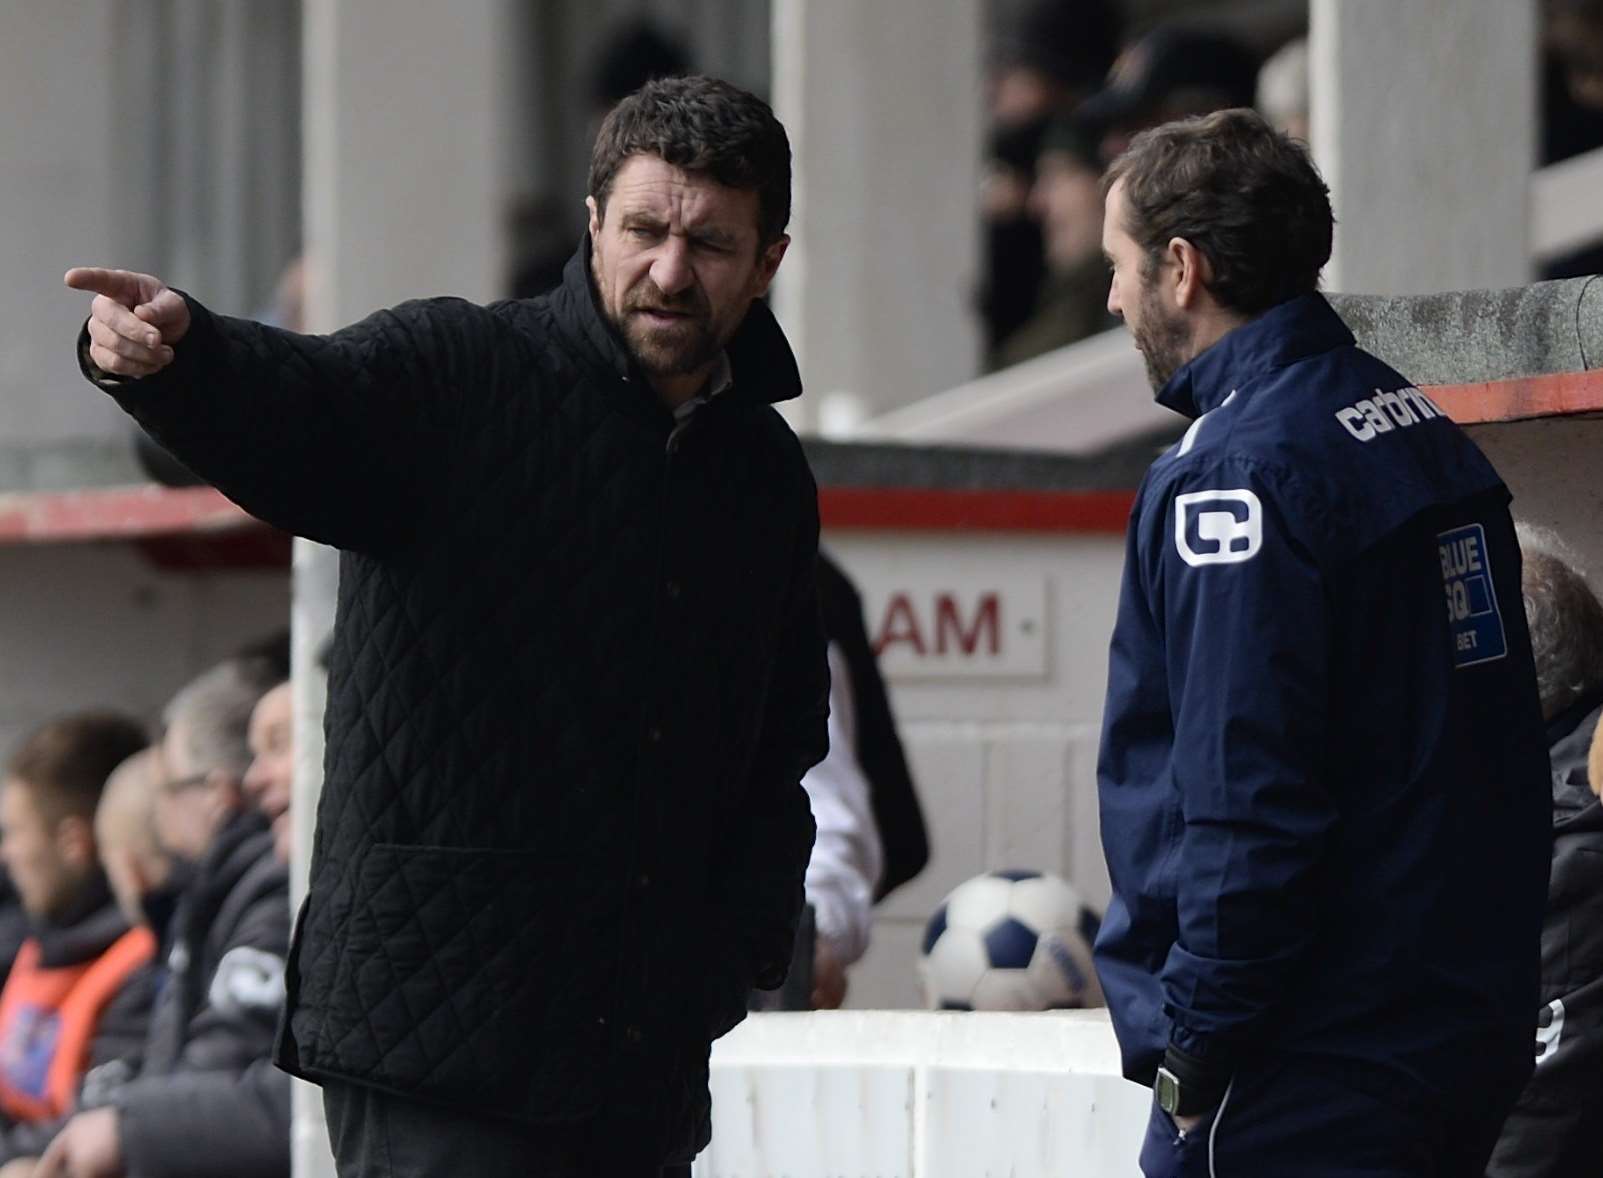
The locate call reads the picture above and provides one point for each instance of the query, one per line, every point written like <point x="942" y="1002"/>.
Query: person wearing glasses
<point x="198" y="1094"/>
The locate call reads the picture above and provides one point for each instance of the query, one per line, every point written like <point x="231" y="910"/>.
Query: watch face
<point x="1167" y="1089"/>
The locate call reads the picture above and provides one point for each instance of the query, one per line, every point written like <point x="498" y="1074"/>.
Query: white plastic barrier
<point x="903" y="1094"/>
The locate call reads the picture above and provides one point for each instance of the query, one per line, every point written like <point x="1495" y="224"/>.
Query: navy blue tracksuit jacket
<point x="1323" y="774"/>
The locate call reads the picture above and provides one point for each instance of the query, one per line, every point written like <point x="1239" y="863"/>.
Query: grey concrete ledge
<point x="1465" y="337"/>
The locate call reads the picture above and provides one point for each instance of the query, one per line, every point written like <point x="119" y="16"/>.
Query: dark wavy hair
<point x="704" y="126"/>
<point x="1244" y="194"/>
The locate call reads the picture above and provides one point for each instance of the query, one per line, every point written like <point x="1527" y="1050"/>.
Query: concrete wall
<point x="882" y="105"/>
<point x="1003" y="752"/>
<point x="58" y="115"/>
<point x="97" y="625"/>
<point x="1424" y="122"/>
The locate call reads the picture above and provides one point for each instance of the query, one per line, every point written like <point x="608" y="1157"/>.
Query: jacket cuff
<point x="202" y="332"/>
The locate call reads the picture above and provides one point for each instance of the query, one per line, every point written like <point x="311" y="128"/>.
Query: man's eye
<point x="640" y="231"/>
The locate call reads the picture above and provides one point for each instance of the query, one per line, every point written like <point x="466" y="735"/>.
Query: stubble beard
<point x="690" y="344"/>
<point x="1163" y="340"/>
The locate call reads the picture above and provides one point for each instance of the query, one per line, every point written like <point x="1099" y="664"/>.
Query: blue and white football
<point x="1010" y="940"/>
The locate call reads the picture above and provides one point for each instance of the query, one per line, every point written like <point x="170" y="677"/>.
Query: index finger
<point x="114" y="284"/>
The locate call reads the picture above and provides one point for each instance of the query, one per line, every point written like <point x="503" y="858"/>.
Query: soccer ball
<point x="1010" y="940"/>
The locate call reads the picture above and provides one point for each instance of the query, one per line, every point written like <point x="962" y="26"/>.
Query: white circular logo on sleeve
<point x="1218" y="527"/>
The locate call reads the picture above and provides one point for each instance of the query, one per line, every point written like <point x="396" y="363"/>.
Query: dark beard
<point x="691" y="344"/>
<point x="1162" y="340"/>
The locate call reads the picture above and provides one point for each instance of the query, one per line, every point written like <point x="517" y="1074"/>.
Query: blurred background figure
<point x="1046" y="57"/>
<point x="144" y="878"/>
<point x="1572" y="103"/>
<point x="1066" y="198"/>
<point x="75" y="997"/>
<point x="1049" y="55"/>
<point x="204" y="1096"/>
<point x="1574" y="36"/>
<point x="1171" y="73"/>
<point x="270" y="780"/>
<point x="1552" y="1131"/>
<point x="1283" y="89"/>
<point x="637" y="52"/>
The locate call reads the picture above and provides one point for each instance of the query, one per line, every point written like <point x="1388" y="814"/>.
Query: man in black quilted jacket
<point x="577" y="673"/>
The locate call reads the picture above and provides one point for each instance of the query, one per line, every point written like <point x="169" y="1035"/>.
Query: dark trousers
<point x="1318" y="1119"/>
<point x="376" y="1135"/>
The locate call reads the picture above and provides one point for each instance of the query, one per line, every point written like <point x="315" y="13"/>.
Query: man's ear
<point x="595" y="217"/>
<point x="768" y="262"/>
<point x="1192" y="273"/>
<point x="75" y="842"/>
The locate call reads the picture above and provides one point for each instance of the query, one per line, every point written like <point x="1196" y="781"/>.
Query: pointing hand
<point x="134" y="320"/>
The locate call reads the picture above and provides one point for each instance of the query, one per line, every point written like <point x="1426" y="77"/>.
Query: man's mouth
<point x="665" y="314"/>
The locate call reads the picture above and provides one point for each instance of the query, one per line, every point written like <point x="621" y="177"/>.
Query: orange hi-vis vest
<point x="48" y="1019"/>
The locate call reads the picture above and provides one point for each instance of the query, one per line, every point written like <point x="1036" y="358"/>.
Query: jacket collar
<point x="1292" y="331"/>
<point x="761" y="363"/>
<point x="88" y="930"/>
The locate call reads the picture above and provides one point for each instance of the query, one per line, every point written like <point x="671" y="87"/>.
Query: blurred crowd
<point x="1070" y="81"/>
<point x="143" y="933"/>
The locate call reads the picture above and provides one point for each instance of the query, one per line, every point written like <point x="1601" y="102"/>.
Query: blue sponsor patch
<point x="1472" y="613"/>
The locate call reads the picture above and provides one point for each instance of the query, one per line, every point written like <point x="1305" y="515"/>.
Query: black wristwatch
<point x="1185" y="1086"/>
<point x="1170" y="1092"/>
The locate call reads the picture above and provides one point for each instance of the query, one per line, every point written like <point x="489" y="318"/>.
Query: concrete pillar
<point x="882" y="102"/>
<point x="1424" y="123"/>
<point x="403" y="198"/>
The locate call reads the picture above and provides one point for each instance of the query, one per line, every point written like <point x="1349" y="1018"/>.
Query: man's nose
<point x="670" y="269"/>
<point x="1114" y="306"/>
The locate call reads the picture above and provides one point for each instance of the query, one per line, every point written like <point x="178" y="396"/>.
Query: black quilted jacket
<point x="576" y="678"/>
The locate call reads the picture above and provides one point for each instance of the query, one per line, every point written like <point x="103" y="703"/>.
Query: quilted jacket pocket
<point x="471" y="978"/>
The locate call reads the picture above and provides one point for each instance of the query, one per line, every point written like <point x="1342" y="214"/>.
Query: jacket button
<point x="633" y="1034"/>
<point x="672" y="590"/>
<point x="654" y="734"/>
<point x="643" y="880"/>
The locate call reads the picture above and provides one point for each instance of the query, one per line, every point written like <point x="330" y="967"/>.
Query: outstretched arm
<point x="331" y="437"/>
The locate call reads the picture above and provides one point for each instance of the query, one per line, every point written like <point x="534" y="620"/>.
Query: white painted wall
<point x="97" y="625"/>
<point x="1424" y="123"/>
<point x="1005" y="767"/>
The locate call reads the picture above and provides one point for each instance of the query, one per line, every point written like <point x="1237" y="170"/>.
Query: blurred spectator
<point x="1068" y="200"/>
<point x="144" y="879"/>
<point x="75" y="996"/>
<point x="13" y="924"/>
<point x="1552" y="1131"/>
<point x="1050" y="54"/>
<point x="637" y="52"/>
<point x="847" y="857"/>
<point x="875" y="743"/>
<point x="633" y="54"/>
<point x="1046" y="56"/>
<point x="1283" y="89"/>
<point x="1574" y="34"/>
<point x="1169" y="74"/>
<point x="1572" y="104"/>
<point x="205" y="1098"/>
<point x="1014" y="251"/>
<point x="270" y="780"/>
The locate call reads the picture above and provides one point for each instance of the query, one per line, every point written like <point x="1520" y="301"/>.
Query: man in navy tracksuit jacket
<point x="1323" y="772"/>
